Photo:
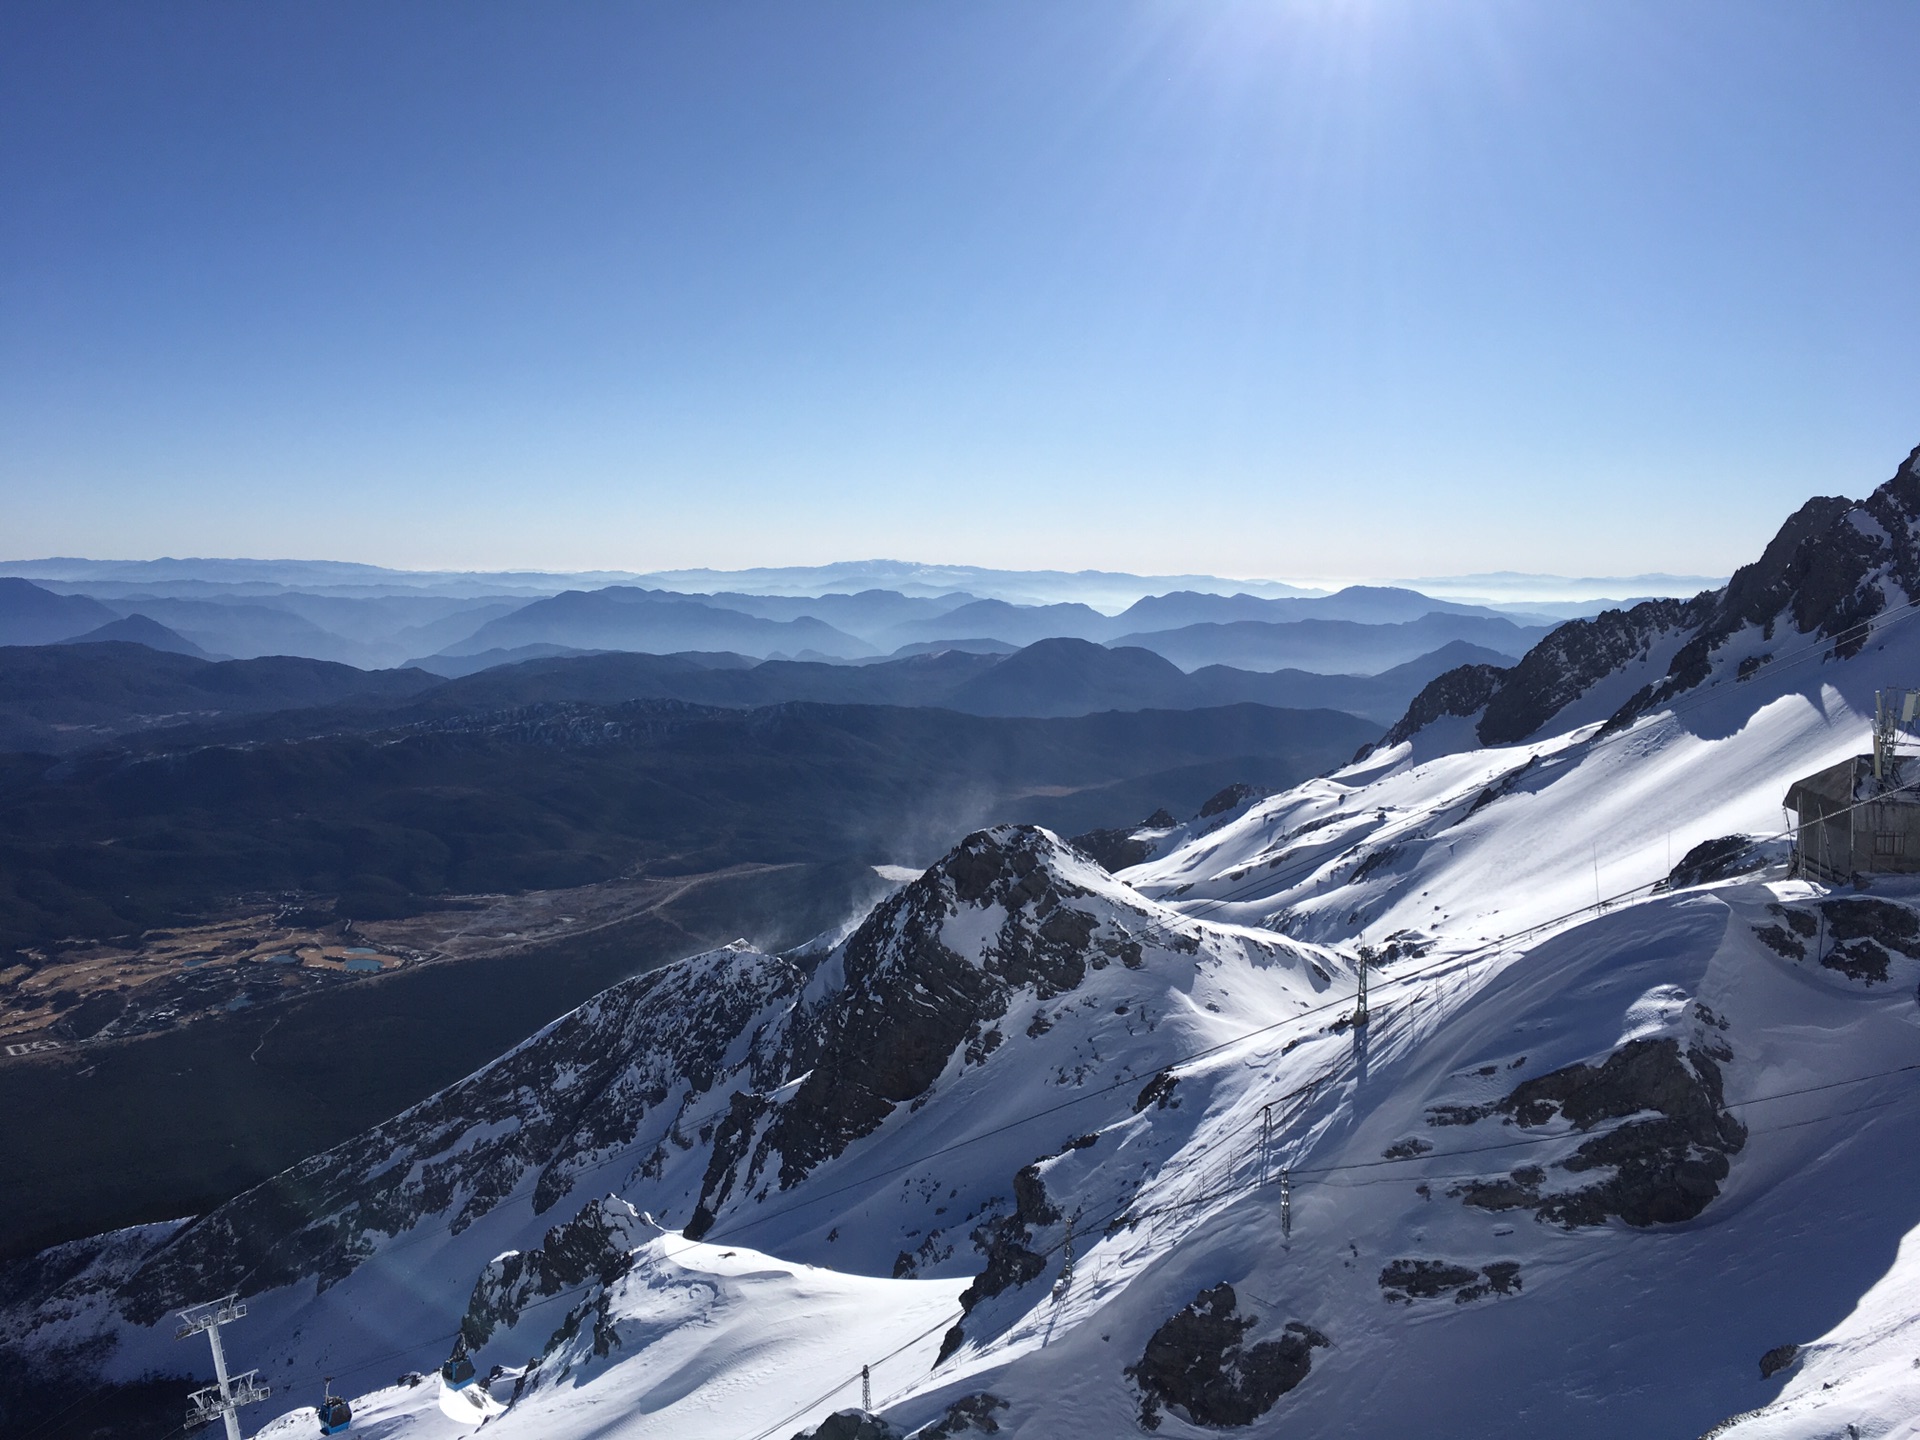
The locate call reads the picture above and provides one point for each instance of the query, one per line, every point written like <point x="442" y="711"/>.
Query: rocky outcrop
<point x="529" y="1123"/>
<point x="1199" y="1364"/>
<point x="1862" y="931"/>
<point x="908" y="1001"/>
<point x="1007" y="1242"/>
<point x="1789" y="939"/>
<point x="596" y="1245"/>
<point x="1234" y="797"/>
<point x="851" y="1425"/>
<point x="972" y="1415"/>
<point x="1657" y="1170"/>
<point x="1852" y="934"/>
<point x="1579" y="654"/>
<point x="1406" y="1281"/>
<point x="1722" y="859"/>
<point x="1114" y="850"/>
<point x="1463" y="691"/>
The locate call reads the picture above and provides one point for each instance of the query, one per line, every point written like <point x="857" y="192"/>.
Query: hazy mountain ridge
<point x="395" y="625"/>
<point x="59" y="699"/>
<point x="30" y="615"/>
<point x="137" y="629"/>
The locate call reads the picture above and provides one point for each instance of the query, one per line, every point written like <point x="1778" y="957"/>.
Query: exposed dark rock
<point x="1462" y="691"/>
<point x="1820" y="571"/>
<point x="1894" y="926"/>
<point x="1798" y="921"/>
<point x="1858" y="960"/>
<point x="1030" y="1198"/>
<point x="1406" y="1149"/>
<point x="1375" y="860"/>
<point x="1859" y="932"/>
<point x="1781" y="1357"/>
<point x="851" y="1425"/>
<point x="1503" y="1276"/>
<point x="1408" y="1280"/>
<point x="730" y="1144"/>
<point x="1502" y="787"/>
<point x="1402" y="945"/>
<point x="1158" y="1092"/>
<point x="1006" y="1241"/>
<point x="1518" y="1191"/>
<point x="1225" y="800"/>
<point x="1720" y="859"/>
<point x="597" y="1244"/>
<point x="1561" y="667"/>
<point x="1789" y="939"/>
<point x="1661" y="1170"/>
<point x="1198" y="1363"/>
<point x="909" y="1002"/>
<point x="972" y="1415"/>
<point x="1114" y="850"/>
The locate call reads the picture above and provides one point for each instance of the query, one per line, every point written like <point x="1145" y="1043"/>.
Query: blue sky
<point x="1338" y="288"/>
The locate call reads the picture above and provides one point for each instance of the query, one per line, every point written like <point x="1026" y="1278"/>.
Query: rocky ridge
<point x="1833" y="566"/>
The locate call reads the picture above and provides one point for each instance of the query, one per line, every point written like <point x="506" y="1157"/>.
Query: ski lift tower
<point x="220" y="1400"/>
<point x="1893" y="712"/>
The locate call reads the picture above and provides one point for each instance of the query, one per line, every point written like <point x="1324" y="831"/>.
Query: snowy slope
<point x="1020" y="1133"/>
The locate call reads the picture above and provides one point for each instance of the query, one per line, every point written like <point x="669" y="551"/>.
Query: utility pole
<point x="219" y="1400"/>
<point x="1882" y="734"/>
<point x="1061" y="1285"/>
<point x="1286" y="1204"/>
<point x="1266" y="1140"/>
<point x="1360" y="1010"/>
<point x="866" y="1389"/>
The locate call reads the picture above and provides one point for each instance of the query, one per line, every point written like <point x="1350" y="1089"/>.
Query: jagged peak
<point x="1011" y="913"/>
<point x="990" y="865"/>
<point x="1826" y="572"/>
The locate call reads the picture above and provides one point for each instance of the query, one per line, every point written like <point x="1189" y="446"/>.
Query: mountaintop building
<point x="1862" y="816"/>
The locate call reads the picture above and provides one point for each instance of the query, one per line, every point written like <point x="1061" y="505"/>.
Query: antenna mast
<point x="219" y="1400"/>
<point x="1892" y="709"/>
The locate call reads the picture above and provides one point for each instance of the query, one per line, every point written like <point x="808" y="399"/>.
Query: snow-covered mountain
<point x="1625" y="1146"/>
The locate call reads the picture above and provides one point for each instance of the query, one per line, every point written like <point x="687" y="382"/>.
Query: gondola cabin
<point x="458" y="1372"/>
<point x="334" y="1413"/>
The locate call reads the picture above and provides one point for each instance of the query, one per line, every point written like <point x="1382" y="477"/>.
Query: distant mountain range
<point x="139" y="630"/>
<point x="30" y="615"/>
<point x="1359" y="630"/>
<point x="71" y="697"/>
